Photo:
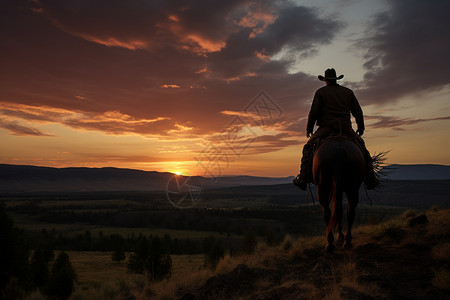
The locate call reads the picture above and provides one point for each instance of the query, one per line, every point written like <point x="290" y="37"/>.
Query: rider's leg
<point x="307" y="154"/>
<point x="303" y="177"/>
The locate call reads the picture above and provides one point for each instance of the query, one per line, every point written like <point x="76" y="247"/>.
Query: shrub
<point x="118" y="255"/>
<point x="409" y="214"/>
<point x="442" y="279"/>
<point x="12" y="290"/>
<point x="417" y="220"/>
<point x="249" y="243"/>
<point x="287" y="243"/>
<point x="390" y="230"/>
<point x="441" y="252"/>
<point x="435" y="208"/>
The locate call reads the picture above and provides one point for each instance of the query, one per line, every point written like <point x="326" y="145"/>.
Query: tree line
<point x="19" y="274"/>
<point x="293" y="220"/>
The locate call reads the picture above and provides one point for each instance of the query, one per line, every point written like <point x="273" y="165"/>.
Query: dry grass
<point x="190" y="279"/>
<point x="95" y="268"/>
<point x="441" y="252"/>
<point x="101" y="278"/>
<point x="227" y="264"/>
<point x="183" y="281"/>
<point x="438" y="226"/>
<point x="303" y="245"/>
<point x="345" y="284"/>
<point x="441" y="279"/>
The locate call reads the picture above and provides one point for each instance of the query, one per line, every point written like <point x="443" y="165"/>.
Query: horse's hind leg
<point x="340" y="234"/>
<point x="352" y="199"/>
<point x="324" y="200"/>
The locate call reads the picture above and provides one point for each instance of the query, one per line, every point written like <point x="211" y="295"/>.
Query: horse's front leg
<point x="340" y="234"/>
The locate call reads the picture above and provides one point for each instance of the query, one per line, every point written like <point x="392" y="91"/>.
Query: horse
<point x="337" y="168"/>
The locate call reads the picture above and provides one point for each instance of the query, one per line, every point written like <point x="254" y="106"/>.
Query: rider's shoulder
<point x="340" y="88"/>
<point x="333" y="89"/>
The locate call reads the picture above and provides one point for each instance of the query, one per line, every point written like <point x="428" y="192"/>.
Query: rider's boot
<point x="302" y="179"/>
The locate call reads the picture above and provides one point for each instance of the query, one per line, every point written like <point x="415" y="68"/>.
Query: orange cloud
<point x="110" y="122"/>
<point x="262" y="56"/>
<point x="114" y="42"/>
<point x="258" y="21"/>
<point x="236" y="78"/>
<point x="170" y="86"/>
<point x="203" y="70"/>
<point x="206" y="44"/>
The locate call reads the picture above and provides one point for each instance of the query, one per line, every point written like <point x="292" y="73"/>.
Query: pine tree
<point x="62" y="278"/>
<point x="159" y="263"/>
<point x="136" y="262"/>
<point x="13" y="252"/>
<point x="39" y="267"/>
<point x="214" y="255"/>
<point x="150" y="258"/>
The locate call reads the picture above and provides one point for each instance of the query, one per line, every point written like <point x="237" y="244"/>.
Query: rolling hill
<point x="26" y="179"/>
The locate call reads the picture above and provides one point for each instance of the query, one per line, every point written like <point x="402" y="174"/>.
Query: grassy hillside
<point x="407" y="257"/>
<point x="404" y="258"/>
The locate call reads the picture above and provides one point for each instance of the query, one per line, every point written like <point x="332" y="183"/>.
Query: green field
<point x="73" y="229"/>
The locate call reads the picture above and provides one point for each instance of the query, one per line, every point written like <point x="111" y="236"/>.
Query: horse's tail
<point x="337" y="189"/>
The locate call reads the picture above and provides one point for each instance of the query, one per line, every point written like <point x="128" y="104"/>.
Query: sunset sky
<point x="213" y="88"/>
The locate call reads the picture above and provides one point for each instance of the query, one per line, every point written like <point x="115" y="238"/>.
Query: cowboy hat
<point x="330" y="74"/>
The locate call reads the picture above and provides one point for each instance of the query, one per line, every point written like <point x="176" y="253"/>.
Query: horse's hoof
<point x="330" y="249"/>
<point x="348" y="245"/>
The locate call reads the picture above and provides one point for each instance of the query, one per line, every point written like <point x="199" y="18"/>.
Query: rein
<point x="367" y="194"/>
<point x="311" y="193"/>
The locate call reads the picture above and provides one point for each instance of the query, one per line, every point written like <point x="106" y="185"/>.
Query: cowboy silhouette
<point x="330" y="110"/>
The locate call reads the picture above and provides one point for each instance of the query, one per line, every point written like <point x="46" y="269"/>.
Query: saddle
<point x="355" y="139"/>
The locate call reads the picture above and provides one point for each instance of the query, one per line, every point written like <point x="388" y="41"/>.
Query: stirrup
<point x="301" y="183"/>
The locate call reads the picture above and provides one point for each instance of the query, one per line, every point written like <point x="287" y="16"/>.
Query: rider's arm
<point x="357" y="113"/>
<point x="313" y="113"/>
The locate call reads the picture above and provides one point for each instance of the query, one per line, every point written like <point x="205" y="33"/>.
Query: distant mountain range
<point x="25" y="179"/>
<point x="418" y="172"/>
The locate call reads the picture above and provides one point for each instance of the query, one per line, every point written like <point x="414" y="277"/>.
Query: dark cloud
<point x="15" y="128"/>
<point x="407" y="50"/>
<point x="397" y="123"/>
